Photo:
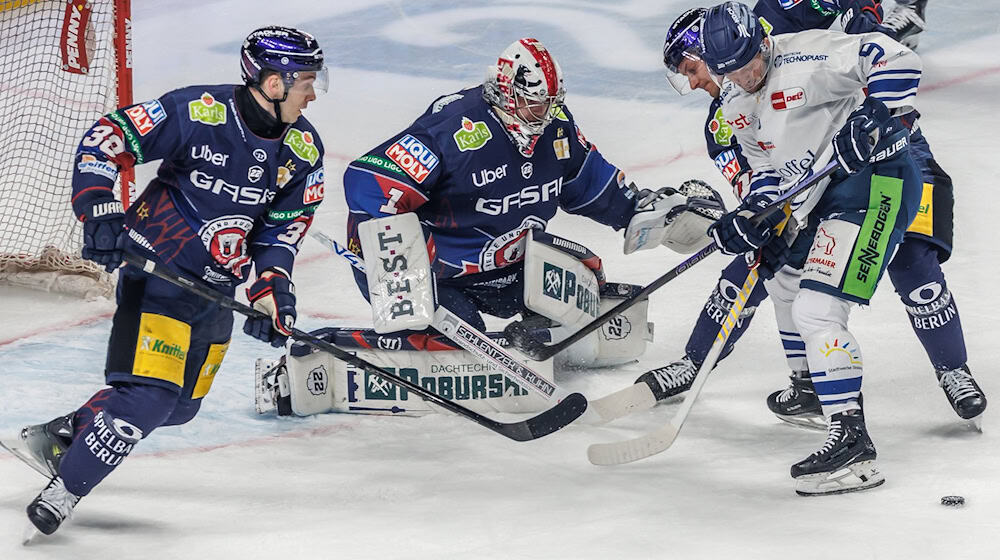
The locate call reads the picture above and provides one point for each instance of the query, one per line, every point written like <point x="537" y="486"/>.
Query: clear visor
<point x="683" y="47"/>
<point x="318" y="81"/>
<point x="677" y="79"/>
<point x="750" y="77"/>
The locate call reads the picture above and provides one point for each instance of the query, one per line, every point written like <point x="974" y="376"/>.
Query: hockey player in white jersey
<point x="792" y="100"/>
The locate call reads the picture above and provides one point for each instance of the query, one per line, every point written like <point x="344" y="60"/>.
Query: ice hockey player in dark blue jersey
<point x="240" y="178"/>
<point x="482" y="166"/>
<point x="915" y="270"/>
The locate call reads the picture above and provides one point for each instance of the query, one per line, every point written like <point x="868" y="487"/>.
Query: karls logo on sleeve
<point x="416" y="159"/>
<point x="302" y="144"/>
<point x="788" y="99"/>
<point x="146" y="116"/>
<point x="207" y="110"/>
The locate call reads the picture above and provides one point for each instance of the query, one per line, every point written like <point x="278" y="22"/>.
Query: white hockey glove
<point x="677" y="218"/>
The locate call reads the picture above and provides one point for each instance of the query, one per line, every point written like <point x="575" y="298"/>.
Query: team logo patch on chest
<point x="788" y="99"/>
<point x="302" y="145"/>
<point x="226" y="240"/>
<point x="416" y="159"/>
<point x="472" y="135"/>
<point x="207" y="110"/>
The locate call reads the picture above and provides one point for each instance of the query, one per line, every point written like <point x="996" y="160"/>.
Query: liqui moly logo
<point x="788" y="99"/>
<point x="416" y="159"/>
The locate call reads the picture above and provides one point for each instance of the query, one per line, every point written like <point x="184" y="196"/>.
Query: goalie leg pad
<point x="558" y="286"/>
<point x="619" y="341"/>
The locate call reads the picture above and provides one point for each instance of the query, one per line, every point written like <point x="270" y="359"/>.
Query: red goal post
<point x="63" y="64"/>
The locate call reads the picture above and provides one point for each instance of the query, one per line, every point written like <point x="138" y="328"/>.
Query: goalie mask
<point x="525" y="88"/>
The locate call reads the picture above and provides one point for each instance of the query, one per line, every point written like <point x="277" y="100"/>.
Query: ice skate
<point x="964" y="394"/>
<point x="798" y="404"/>
<point x="51" y="507"/>
<point x="671" y="379"/>
<point x="271" y="389"/>
<point x="907" y="21"/>
<point x="42" y="446"/>
<point x="845" y="463"/>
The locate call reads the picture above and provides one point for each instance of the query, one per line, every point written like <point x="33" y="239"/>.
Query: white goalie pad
<point x="400" y="283"/>
<point x="619" y="341"/>
<point x="319" y="383"/>
<point x="558" y="286"/>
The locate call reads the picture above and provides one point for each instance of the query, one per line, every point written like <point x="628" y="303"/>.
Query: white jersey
<point x="815" y="80"/>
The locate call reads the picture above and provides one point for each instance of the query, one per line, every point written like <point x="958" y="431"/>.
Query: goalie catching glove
<point x="274" y="294"/>
<point x="676" y="218"/>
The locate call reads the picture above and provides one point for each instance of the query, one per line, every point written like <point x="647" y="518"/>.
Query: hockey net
<point x="63" y="64"/>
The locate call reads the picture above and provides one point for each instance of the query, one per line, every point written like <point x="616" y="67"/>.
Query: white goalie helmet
<point x="525" y="87"/>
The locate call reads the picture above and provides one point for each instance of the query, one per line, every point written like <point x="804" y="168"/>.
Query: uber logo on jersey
<point x="255" y="173"/>
<point x="205" y="152"/>
<point x="788" y="99"/>
<point x="486" y="176"/>
<point x="527" y="169"/>
<point x="239" y="194"/>
<point x="259" y="155"/>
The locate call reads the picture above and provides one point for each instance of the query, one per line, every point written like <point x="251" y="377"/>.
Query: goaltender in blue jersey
<point x="482" y="166"/>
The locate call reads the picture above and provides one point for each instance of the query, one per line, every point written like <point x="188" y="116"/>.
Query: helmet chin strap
<point x="275" y="102"/>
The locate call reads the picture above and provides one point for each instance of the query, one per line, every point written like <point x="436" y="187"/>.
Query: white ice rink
<point x="232" y="484"/>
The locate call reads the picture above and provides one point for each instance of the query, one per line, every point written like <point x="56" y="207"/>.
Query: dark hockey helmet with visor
<point x="683" y="42"/>
<point x="731" y="40"/>
<point x="284" y="50"/>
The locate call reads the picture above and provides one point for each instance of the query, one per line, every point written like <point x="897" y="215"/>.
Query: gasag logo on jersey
<point x="205" y="152"/>
<point x="207" y="110"/>
<point x="525" y="197"/>
<point x="225" y="238"/>
<point x="251" y="196"/>
<point x="314" y="188"/>
<point x="416" y="159"/>
<point x="720" y="130"/>
<point x="788" y="99"/>
<point x="90" y="164"/>
<point x="302" y="145"/>
<point x="472" y="135"/>
<point x="146" y="116"/>
<point x="484" y="177"/>
<point x="728" y="164"/>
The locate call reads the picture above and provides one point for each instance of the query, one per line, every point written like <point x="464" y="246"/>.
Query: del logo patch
<point x="416" y="159"/>
<point x="788" y="99"/>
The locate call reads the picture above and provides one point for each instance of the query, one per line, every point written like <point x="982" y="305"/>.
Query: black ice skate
<point x="53" y="506"/>
<point x="42" y="446"/>
<point x="964" y="394"/>
<point x="845" y="463"/>
<point x="671" y="379"/>
<point x="798" y="403"/>
<point x="907" y="22"/>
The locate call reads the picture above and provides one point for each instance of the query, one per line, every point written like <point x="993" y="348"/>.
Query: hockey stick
<point x="620" y="452"/>
<point x="535" y="427"/>
<point x="519" y="336"/>
<point x="467" y="337"/>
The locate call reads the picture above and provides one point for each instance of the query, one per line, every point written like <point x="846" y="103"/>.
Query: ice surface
<point x="232" y="484"/>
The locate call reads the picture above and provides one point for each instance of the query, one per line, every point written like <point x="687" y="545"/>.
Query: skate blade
<point x="15" y="447"/>
<point x="855" y="477"/>
<point x="808" y="421"/>
<point x="976" y="423"/>
<point x="30" y="534"/>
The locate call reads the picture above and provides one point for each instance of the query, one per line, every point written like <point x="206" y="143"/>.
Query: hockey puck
<point x="953" y="501"/>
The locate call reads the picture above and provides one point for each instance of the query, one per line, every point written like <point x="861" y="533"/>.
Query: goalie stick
<point x="519" y="336"/>
<point x="569" y="409"/>
<point x="467" y="337"/>
<point x="627" y="451"/>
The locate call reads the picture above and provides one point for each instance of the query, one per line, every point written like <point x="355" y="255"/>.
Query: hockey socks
<point x="110" y="425"/>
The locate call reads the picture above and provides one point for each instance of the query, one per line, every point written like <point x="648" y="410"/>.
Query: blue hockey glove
<point x="860" y="16"/>
<point x="770" y="258"/>
<point x="274" y="294"/>
<point x="104" y="234"/>
<point x="854" y="143"/>
<point x="734" y="233"/>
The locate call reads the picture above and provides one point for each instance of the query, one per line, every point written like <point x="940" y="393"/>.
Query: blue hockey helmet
<point x="683" y="42"/>
<point x="286" y="51"/>
<point x="731" y="38"/>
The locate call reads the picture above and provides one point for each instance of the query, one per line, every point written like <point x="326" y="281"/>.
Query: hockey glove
<point x="860" y="16"/>
<point x="676" y="218"/>
<point x="104" y="234"/>
<point x="770" y="258"/>
<point x="735" y="234"/>
<point x="854" y="143"/>
<point x="274" y="294"/>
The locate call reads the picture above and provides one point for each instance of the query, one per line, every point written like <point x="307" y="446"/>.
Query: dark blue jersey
<point x="223" y="198"/>
<point x="474" y="192"/>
